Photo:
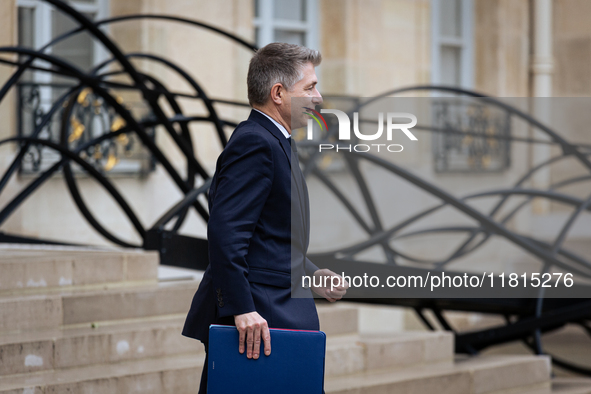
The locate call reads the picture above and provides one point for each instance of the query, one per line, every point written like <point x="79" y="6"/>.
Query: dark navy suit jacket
<point x="258" y="235"/>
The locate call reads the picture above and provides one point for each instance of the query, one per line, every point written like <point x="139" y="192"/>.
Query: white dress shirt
<point x="279" y="125"/>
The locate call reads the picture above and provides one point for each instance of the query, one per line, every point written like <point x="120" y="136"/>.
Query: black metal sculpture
<point x="91" y="96"/>
<point x="526" y="318"/>
<point x="123" y="123"/>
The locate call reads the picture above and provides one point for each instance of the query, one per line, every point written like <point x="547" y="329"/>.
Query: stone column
<point x="542" y="62"/>
<point x="542" y="65"/>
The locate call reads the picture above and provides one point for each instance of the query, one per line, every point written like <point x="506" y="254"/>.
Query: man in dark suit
<point x="258" y="230"/>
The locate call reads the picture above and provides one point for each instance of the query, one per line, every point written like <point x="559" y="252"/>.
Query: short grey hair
<point x="277" y="62"/>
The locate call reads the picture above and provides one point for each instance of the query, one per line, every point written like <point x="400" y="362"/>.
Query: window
<point x="486" y="149"/>
<point x="38" y="24"/>
<point x="291" y="21"/>
<point x="452" y="42"/>
<point x="452" y="65"/>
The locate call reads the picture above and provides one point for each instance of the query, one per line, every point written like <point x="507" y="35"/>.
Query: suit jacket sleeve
<point x="244" y="180"/>
<point x="310" y="267"/>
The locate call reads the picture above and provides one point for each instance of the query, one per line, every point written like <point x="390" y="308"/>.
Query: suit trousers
<point x="203" y="384"/>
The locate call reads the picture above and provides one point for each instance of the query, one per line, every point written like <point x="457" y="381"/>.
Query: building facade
<point x="505" y="48"/>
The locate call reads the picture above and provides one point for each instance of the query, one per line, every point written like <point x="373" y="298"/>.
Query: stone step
<point x="30" y="313"/>
<point x="477" y="375"/>
<point x="169" y="298"/>
<point x="54" y="349"/>
<point x="85" y="307"/>
<point x="42" y="269"/>
<point x="335" y="320"/>
<point x="571" y="385"/>
<point x="564" y="386"/>
<point x="178" y="374"/>
<point x="128" y="303"/>
<point x="111" y="343"/>
<point x="347" y="354"/>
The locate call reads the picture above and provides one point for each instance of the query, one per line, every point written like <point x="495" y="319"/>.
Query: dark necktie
<point x="293" y="144"/>
<point x="297" y="172"/>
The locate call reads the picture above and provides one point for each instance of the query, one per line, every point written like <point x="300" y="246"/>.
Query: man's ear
<point x="277" y="93"/>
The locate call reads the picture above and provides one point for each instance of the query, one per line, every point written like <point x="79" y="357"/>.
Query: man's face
<point x="307" y="94"/>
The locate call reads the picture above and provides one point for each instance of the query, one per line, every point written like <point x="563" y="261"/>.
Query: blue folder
<point x="296" y="363"/>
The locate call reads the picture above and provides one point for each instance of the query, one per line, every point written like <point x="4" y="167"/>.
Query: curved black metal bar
<point x="421" y="315"/>
<point x="150" y="96"/>
<point x="34" y="185"/>
<point x="121" y="110"/>
<point x="72" y="184"/>
<point x="93" y="28"/>
<point x="463" y="229"/>
<point x="556" y="138"/>
<point x="526" y="325"/>
<point x="170" y="18"/>
<point x="123" y="85"/>
<point x="584" y="206"/>
<point x="581" y="206"/>
<point x="186" y="137"/>
<point x="85" y="25"/>
<point x="486" y="222"/>
<point x="6" y="87"/>
<point x="49" y="172"/>
<point x="567" y="147"/>
<point x="71" y="181"/>
<point x="380" y="237"/>
<point x="507" y="138"/>
<point x="88" y="168"/>
<point x="335" y="190"/>
<point x="16" y="162"/>
<point x="558" y="197"/>
<point x="200" y="94"/>
<point x="373" y="212"/>
<point x="461" y="251"/>
<point x="181" y="206"/>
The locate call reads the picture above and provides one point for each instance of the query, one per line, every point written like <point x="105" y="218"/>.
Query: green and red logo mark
<point x="316" y="117"/>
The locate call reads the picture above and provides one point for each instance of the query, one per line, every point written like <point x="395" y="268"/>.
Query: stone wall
<point x="572" y="48"/>
<point x="7" y="38"/>
<point x="216" y="63"/>
<point x="501" y="43"/>
<point x="371" y="46"/>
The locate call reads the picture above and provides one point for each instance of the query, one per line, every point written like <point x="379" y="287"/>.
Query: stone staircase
<point x="100" y="321"/>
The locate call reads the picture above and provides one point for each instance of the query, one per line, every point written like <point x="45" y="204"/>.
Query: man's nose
<point x="317" y="99"/>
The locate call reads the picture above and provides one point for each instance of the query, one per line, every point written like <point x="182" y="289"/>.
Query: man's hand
<point x="336" y="286"/>
<point x="251" y="326"/>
